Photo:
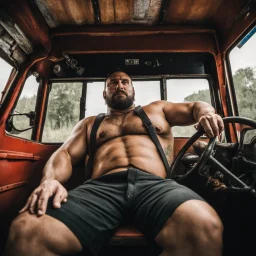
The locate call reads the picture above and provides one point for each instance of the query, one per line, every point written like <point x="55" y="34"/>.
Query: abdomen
<point x="128" y="151"/>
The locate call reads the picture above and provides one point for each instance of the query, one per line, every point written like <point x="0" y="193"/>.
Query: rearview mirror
<point x="20" y="122"/>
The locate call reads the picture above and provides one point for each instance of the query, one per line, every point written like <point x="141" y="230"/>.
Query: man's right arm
<point x="57" y="170"/>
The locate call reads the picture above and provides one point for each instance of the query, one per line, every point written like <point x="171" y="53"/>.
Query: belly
<point x="128" y="151"/>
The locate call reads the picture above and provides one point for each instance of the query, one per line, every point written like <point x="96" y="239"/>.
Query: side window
<point x="24" y="111"/>
<point x="95" y="103"/>
<point x="63" y="111"/>
<point x="5" y="71"/>
<point x="243" y="66"/>
<point x="146" y="92"/>
<point x="187" y="90"/>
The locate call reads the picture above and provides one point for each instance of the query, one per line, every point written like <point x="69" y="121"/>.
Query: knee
<point x="209" y="228"/>
<point x="199" y="228"/>
<point x="22" y="231"/>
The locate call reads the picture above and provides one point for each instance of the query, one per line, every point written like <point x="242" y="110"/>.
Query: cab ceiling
<point x="220" y="13"/>
<point x="28" y="24"/>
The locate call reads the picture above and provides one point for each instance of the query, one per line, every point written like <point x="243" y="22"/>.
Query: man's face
<point x="119" y="92"/>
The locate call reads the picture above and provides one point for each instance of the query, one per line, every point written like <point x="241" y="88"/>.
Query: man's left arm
<point x="181" y="114"/>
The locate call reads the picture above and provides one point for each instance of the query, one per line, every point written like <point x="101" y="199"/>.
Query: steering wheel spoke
<point x="208" y="158"/>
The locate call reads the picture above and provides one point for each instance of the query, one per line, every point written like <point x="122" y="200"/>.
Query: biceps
<point x="76" y="146"/>
<point x="179" y="114"/>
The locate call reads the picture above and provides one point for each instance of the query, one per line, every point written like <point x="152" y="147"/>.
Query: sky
<point x="239" y="58"/>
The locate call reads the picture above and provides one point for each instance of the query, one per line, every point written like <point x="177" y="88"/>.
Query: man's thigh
<point x="93" y="211"/>
<point x="48" y="231"/>
<point x="156" y="201"/>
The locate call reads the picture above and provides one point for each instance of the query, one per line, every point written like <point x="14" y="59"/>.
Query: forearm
<point x="200" y="109"/>
<point x="58" y="167"/>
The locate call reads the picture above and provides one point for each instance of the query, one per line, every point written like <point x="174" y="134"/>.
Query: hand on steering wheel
<point x="207" y="156"/>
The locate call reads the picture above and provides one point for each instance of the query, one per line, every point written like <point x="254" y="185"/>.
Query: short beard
<point x="119" y="102"/>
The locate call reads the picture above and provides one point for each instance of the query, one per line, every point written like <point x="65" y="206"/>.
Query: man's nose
<point x="120" y="86"/>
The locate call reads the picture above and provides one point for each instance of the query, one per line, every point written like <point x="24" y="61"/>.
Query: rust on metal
<point x="44" y="8"/>
<point x="107" y="11"/>
<point x="16" y="33"/>
<point x="130" y="30"/>
<point x="11" y="48"/>
<point x="155" y="43"/>
<point x="58" y="12"/>
<point x="146" y="12"/>
<point x="123" y="11"/>
<point x="30" y="21"/>
<point x="12" y="186"/>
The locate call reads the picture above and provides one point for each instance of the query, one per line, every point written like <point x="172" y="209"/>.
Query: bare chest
<point x="119" y="126"/>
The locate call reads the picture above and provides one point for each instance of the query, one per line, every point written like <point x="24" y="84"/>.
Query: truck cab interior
<point x="58" y="54"/>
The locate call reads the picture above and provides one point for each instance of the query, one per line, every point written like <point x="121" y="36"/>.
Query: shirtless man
<point x="128" y="181"/>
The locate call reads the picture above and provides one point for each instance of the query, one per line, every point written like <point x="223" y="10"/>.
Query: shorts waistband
<point x="123" y="175"/>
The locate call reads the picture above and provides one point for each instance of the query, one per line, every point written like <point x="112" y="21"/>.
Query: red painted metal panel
<point x="191" y="42"/>
<point x="18" y="155"/>
<point x="12" y="186"/>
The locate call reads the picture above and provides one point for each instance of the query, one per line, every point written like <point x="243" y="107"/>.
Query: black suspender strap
<point x="146" y="121"/>
<point x="92" y="147"/>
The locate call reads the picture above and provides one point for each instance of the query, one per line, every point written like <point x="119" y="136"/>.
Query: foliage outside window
<point x="243" y="65"/>
<point x="63" y="108"/>
<point x="187" y="90"/>
<point x="26" y="104"/>
<point x="63" y="111"/>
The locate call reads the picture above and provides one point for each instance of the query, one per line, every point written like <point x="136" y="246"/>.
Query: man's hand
<point x="37" y="202"/>
<point x="211" y="123"/>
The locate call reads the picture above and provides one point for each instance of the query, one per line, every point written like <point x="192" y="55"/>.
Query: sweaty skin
<point x="122" y="142"/>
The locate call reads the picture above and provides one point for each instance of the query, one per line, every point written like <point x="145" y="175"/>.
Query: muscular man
<point x="128" y="182"/>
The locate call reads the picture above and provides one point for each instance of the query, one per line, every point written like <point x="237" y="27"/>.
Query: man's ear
<point x="104" y="94"/>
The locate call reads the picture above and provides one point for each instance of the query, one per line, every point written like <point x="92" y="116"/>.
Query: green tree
<point x="202" y="95"/>
<point x="245" y="87"/>
<point x="63" y="107"/>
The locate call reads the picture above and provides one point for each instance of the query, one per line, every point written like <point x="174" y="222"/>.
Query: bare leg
<point x="193" y="229"/>
<point x="32" y="235"/>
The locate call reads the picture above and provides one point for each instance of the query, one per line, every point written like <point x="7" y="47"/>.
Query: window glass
<point x="243" y="66"/>
<point x="95" y="103"/>
<point x="146" y="92"/>
<point x="22" y="126"/>
<point x="5" y="71"/>
<point x="187" y="90"/>
<point x="63" y="111"/>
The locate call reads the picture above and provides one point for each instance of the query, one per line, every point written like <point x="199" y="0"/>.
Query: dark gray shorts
<point x="95" y="209"/>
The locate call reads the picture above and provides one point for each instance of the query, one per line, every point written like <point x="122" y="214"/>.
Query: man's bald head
<point x="119" y="92"/>
<point x="115" y="74"/>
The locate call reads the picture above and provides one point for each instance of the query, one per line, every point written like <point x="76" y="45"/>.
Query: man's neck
<point x="118" y="112"/>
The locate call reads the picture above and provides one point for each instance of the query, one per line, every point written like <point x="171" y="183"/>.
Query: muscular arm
<point x="180" y="114"/>
<point x="59" y="165"/>
<point x="57" y="170"/>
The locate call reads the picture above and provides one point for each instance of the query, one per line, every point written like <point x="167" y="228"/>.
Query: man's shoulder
<point x="85" y="122"/>
<point x="159" y="104"/>
<point x="88" y="120"/>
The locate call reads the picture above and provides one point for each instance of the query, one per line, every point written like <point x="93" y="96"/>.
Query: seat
<point x="128" y="235"/>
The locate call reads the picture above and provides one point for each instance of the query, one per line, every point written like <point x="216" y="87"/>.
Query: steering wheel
<point x="207" y="155"/>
